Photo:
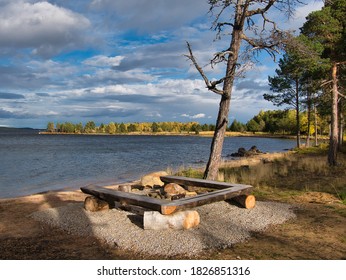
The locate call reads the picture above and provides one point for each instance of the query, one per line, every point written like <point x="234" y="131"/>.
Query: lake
<point x="33" y="163"/>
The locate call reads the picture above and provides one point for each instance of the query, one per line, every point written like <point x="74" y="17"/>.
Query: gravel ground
<point x="222" y="225"/>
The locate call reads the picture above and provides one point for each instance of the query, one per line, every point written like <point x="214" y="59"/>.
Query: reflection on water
<point x="32" y="163"/>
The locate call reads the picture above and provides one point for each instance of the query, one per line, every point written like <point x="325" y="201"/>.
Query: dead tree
<point x="266" y="37"/>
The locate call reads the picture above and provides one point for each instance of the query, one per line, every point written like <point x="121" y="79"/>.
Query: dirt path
<point x="318" y="232"/>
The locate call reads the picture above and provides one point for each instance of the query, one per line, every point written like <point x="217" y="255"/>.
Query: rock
<point x="125" y="188"/>
<point x="254" y="149"/>
<point x="242" y="152"/>
<point x="174" y="189"/>
<point x="190" y="194"/>
<point x="94" y="204"/>
<point x="153" y="179"/>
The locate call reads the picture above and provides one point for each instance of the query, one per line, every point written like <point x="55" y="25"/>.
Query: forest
<point x="273" y="122"/>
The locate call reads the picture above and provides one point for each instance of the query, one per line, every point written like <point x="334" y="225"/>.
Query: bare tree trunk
<point x="214" y="161"/>
<point x="212" y="168"/>
<point x="333" y="141"/>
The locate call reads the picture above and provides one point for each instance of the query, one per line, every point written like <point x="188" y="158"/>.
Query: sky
<point x="120" y="61"/>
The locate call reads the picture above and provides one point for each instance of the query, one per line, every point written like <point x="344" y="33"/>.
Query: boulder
<point x="153" y="179"/>
<point x="174" y="189"/>
<point x="95" y="204"/>
<point x="242" y="152"/>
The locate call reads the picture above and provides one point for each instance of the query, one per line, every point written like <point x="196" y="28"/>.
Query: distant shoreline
<point x="201" y="134"/>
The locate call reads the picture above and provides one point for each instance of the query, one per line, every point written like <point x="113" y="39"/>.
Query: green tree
<point x="252" y="126"/>
<point x="236" y="126"/>
<point x="78" y="128"/>
<point x="286" y="86"/>
<point x="111" y="128"/>
<point x="327" y="27"/>
<point x="155" y="127"/>
<point x="122" y="128"/>
<point x="50" y="127"/>
<point x="90" y="127"/>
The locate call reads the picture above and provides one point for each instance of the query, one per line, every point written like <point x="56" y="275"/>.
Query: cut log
<point x="93" y="204"/>
<point x="246" y="201"/>
<point x="180" y="220"/>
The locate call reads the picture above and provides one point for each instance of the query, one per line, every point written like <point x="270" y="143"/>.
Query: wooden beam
<point x="193" y="182"/>
<point x="124" y="197"/>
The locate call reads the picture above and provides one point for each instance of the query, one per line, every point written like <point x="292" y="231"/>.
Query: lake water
<point x="32" y="163"/>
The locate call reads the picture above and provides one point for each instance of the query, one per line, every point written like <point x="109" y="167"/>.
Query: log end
<point x="246" y="201"/>
<point x="192" y="220"/>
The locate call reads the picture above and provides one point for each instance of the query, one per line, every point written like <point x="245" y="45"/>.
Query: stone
<point x="242" y="152"/>
<point x="153" y="179"/>
<point x="94" y="204"/>
<point x="125" y="188"/>
<point x="174" y="189"/>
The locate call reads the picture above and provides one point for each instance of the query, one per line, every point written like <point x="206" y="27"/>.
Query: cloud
<point x="302" y="12"/>
<point x="104" y="61"/>
<point x="197" y="116"/>
<point x="41" y="26"/>
<point x="149" y="15"/>
<point x="8" y="95"/>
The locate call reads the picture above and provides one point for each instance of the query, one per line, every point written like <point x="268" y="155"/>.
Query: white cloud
<point x="41" y="26"/>
<point x="197" y="116"/>
<point x="104" y="61"/>
<point x="302" y="12"/>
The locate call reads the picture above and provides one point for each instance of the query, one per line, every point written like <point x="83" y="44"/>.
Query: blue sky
<point x="121" y="61"/>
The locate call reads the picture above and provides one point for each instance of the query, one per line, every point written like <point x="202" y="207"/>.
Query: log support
<point x="153" y="220"/>
<point x="246" y="201"/>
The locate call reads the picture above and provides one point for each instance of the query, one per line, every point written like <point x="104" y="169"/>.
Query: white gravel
<point x="221" y="226"/>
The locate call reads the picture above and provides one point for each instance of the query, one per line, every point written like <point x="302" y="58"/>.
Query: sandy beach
<point x="313" y="229"/>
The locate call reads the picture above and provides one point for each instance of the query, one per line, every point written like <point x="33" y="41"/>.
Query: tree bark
<point x="333" y="140"/>
<point x="315" y="124"/>
<point x="309" y="119"/>
<point x="297" y="114"/>
<point x="341" y="125"/>
<point x="213" y="164"/>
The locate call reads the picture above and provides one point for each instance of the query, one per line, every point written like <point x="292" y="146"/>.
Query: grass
<point x="305" y="170"/>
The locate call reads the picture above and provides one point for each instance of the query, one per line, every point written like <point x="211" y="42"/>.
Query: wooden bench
<point x="221" y="191"/>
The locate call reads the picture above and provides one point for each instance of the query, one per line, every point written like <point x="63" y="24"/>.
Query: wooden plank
<point x="193" y="182"/>
<point x="210" y="197"/>
<point x="124" y="197"/>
